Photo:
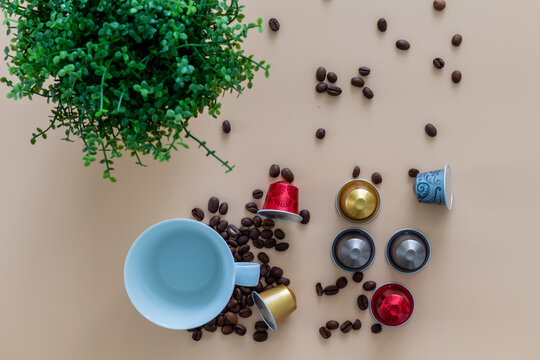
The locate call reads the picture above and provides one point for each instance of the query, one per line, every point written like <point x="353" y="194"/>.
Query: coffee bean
<point x="362" y="302"/>
<point x="232" y="302"/>
<point x="257" y="193"/>
<point x="267" y="224"/>
<point x="278" y="233"/>
<point x="222" y="226"/>
<point x="231" y="317"/>
<point x="245" y="290"/>
<point x="248" y="257"/>
<point x="243" y="303"/>
<point x="259" y="286"/>
<point x="223" y="208"/>
<point x="376" y="178"/>
<point x="236" y="308"/>
<point x="270" y="243"/>
<point x="210" y="327"/>
<point x="265" y="270"/>
<point x="456" y="76"/>
<point x="358" y="276"/>
<point x="239" y="329"/>
<point x="242" y="240"/>
<point x="283" y="281"/>
<point x="357" y="81"/>
<point x="438" y="63"/>
<point x="226" y="126"/>
<point x="261" y="326"/>
<point x="457" y="39"/>
<point x="413" y="172"/>
<point x="332" y="324"/>
<point x="321" y="87"/>
<point x="403" y="45"/>
<point x="259" y="243"/>
<point x="376" y="328"/>
<point x="287" y="175"/>
<point x="382" y="25"/>
<point x="213" y="204"/>
<point x="221" y="320"/>
<point x="237" y="257"/>
<point x="274" y="170"/>
<point x="332" y="77"/>
<point x="331" y="290"/>
<point x="224" y="235"/>
<point x="268" y="287"/>
<point x="245" y="313"/>
<point x="356" y="171"/>
<point x="232" y="243"/>
<point x="270" y="280"/>
<point x="214" y="220"/>
<point x="254" y="234"/>
<point x="243" y="249"/>
<point x="305" y="216"/>
<point x="227" y="329"/>
<point x="237" y="293"/>
<point x="244" y="230"/>
<point x="260" y="336"/>
<point x="364" y="71"/>
<point x="439" y="4"/>
<point x="369" y="285"/>
<point x="431" y="130"/>
<point x="273" y="23"/>
<point x="263" y="257"/>
<point x="282" y="246"/>
<point x="333" y="90"/>
<point x="246" y="221"/>
<point x="320" y="133"/>
<point x="197" y="335"/>
<point x="346" y="326"/>
<point x="266" y="234"/>
<point x="257" y="221"/>
<point x="319" y="289"/>
<point x="356" y="324"/>
<point x="193" y="330"/>
<point x="368" y="93"/>
<point x="276" y="272"/>
<point x="197" y="214"/>
<point x="320" y="74"/>
<point x="249" y="301"/>
<point x="341" y="282"/>
<point x="233" y="231"/>
<point x="252" y="207"/>
<point x="325" y="333"/>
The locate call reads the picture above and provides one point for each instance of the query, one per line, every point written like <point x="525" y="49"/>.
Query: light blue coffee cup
<point x="435" y="187"/>
<point x="180" y="274"/>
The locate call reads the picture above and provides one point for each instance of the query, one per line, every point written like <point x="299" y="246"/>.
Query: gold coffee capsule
<point x="274" y="304"/>
<point x="358" y="201"/>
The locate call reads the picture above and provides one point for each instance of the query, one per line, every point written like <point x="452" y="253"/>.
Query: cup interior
<point x="179" y="274"/>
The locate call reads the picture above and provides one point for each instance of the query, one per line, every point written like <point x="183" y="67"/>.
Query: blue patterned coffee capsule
<point x="435" y="187"/>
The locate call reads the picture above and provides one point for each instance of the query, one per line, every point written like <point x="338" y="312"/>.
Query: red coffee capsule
<point x="281" y="203"/>
<point x="392" y="304"/>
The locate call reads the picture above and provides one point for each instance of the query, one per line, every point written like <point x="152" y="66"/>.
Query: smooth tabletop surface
<point x="66" y="232"/>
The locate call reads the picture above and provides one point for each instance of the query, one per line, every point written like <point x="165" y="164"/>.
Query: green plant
<point x="128" y="75"/>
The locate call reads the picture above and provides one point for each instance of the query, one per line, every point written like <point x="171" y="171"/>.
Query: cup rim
<point x="220" y="244"/>
<point x="368" y="236"/>
<point x="387" y="250"/>
<point x="272" y="326"/>
<point x="448" y="171"/>
<point x="292" y="216"/>
<point x="371" y="217"/>
<point x="390" y="283"/>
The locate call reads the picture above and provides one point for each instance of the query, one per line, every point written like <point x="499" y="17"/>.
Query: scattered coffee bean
<point x="197" y="214"/>
<point x="276" y="272"/>
<point x="305" y="216"/>
<point x="333" y="90"/>
<point x="438" y="63"/>
<point x="287" y="175"/>
<point x="358" y="276"/>
<point x="260" y="336"/>
<point x="279" y="234"/>
<point x="331" y="290"/>
<point x="211" y="327"/>
<point x="431" y="130"/>
<point x="413" y="172"/>
<point x="259" y="243"/>
<point x="273" y="23"/>
<point x="270" y="280"/>
<point x="213" y="204"/>
<point x="239" y="329"/>
<point x="231" y="318"/>
<point x="244" y="230"/>
<point x="332" y="77"/>
<point x="267" y="224"/>
<point x="257" y="221"/>
<point x="320" y="133"/>
<point x="283" y="280"/>
<point x="356" y="324"/>
<point x="266" y="234"/>
<point x="222" y="225"/>
<point x="325" y="333"/>
<point x="245" y="290"/>
<point x="282" y="246"/>
<point x="252" y="207"/>
<point x="237" y="257"/>
<point x="263" y="257"/>
<point x="319" y="289"/>
<point x="257" y="193"/>
<point x="357" y="81"/>
<point x="224" y="235"/>
<point x="362" y="302"/>
<point x="227" y="329"/>
<point x="268" y="287"/>
<point x="245" y="312"/>
<point x="332" y="324"/>
<point x="403" y="45"/>
<point x="457" y="39"/>
<point x="321" y="87"/>
<point x="376" y="178"/>
<point x="237" y="293"/>
<point x="439" y="5"/>
<point x="197" y="335"/>
<point x="270" y="243"/>
<point x="246" y="221"/>
<point x="368" y="93"/>
<point x="274" y="170"/>
<point x="261" y="326"/>
<point x="226" y="126"/>
<point x="233" y="231"/>
<point x="243" y="249"/>
<point x="382" y="25"/>
<point x="369" y="285"/>
<point x="356" y="171"/>
<point x="376" y="328"/>
<point x="341" y="282"/>
<point x="214" y="220"/>
<point x="220" y="320"/>
<point x="320" y="74"/>
<point x="364" y="71"/>
<point x="249" y="301"/>
<point x="248" y="257"/>
<point x="456" y="76"/>
<point x="259" y="287"/>
<point x="346" y="326"/>
<point x="223" y="208"/>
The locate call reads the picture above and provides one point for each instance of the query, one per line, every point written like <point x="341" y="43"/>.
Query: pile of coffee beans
<point x="345" y="327"/>
<point x="332" y="289"/>
<point x="321" y="75"/>
<point x="359" y="82"/>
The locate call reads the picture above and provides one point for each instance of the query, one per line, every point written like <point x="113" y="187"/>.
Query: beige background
<point x="65" y="232"/>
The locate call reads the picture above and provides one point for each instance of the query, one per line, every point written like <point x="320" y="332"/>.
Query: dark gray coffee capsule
<point x="408" y="251"/>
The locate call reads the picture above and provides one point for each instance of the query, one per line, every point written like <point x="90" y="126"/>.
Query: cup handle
<point x="247" y="274"/>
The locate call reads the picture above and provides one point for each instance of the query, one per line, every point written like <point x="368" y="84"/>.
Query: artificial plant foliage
<point x="127" y="75"/>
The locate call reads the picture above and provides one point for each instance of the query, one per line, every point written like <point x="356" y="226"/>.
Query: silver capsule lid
<point x="353" y="249"/>
<point x="408" y="250"/>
